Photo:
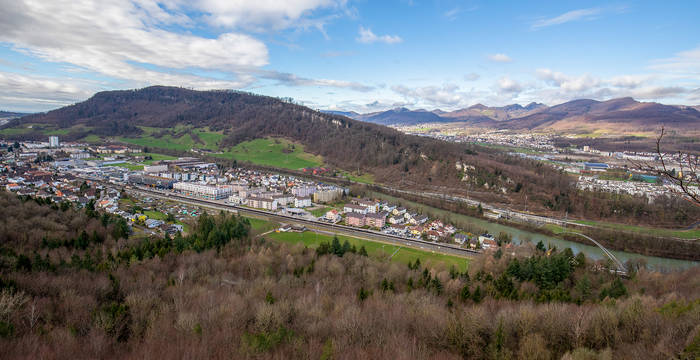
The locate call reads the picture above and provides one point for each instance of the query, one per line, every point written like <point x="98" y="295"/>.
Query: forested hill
<point x="389" y="155"/>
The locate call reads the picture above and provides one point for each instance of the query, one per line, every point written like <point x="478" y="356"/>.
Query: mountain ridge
<point x="578" y="114"/>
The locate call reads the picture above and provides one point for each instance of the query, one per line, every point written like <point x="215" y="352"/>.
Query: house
<point x="489" y="244"/>
<point x="432" y="235"/>
<point x="370" y="205"/>
<point x="409" y="215"/>
<point x="486" y="237"/>
<point x="153" y="223"/>
<point x="353" y="208"/>
<point x="398" y="229"/>
<point x="416" y="230"/>
<point x="355" y="219"/>
<point x="332" y="215"/>
<point x="302" y="202"/>
<point x="420" y="219"/>
<point x="399" y="211"/>
<point x="396" y="220"/>
<point x="390" y="208"/>
<point x="461" y="239"/>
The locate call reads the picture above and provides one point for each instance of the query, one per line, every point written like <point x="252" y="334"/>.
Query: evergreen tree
<point x="476" y="295"/>
<point x="464" y="294"/>
<point x="336" y="248"/>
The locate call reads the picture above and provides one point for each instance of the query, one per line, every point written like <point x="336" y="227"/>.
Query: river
<point x="591" y="251"/>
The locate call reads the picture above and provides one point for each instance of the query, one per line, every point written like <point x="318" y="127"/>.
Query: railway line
<point x="340" y="229"/>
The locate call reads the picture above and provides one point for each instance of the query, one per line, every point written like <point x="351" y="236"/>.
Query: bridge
<point x="621" y="269"/>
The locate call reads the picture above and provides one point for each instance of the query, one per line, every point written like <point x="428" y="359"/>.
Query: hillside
<point x="590" y="115"/>
<point x="178" y="119"/>
<point x="401" y="116"/>
<point x="92" y="289"/>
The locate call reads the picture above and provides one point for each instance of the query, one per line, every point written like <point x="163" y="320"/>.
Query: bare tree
<point x="681" y="171"/>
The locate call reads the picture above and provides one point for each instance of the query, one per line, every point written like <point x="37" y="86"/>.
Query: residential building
<point x="262" y="203"/>
<point x="461" y="238"/>
<point x="332" y="215"/>
<point x="486" y="237"/>
<point x="53" y="142"/>
<point x="327" y="195"/>
<point x="375" y="220"/>
<point x="284" y="199"/>
<point x="203" y="191"/>
<point x="355" y="219"/>
<point x="371" y="205"/>
<point x="353" y="208"/>
<point x="303" y="191"/>
<point x="302" y="202"/>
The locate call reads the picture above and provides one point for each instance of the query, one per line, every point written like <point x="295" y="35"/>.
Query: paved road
<point x="319" y="225"/>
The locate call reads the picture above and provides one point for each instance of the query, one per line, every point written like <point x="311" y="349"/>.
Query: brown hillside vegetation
<point x="220" y="294"/>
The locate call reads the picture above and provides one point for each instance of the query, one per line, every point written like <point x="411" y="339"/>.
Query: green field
<point x="15" y="131"/>
<point x="156" y="157"/>
<point x="132" y="167"/>
<point x="155" y="215"/>
<point x="279" y="153"/>
<point x="364" y="178"/>
<point x="682" y="234"/>
<point x="181" y="140"/>
<point x="261" y="226"/>
<point x="92" y="139"/>
<point x="374" y="249"/>
<point x="320" y="211"/>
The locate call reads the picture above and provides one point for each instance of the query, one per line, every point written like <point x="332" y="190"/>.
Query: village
<point x="101" y="176"/>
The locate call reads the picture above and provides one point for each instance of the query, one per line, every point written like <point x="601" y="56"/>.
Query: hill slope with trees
<point x="223" y="292"/>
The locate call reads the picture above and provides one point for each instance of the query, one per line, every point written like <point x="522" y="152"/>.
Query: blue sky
<point x="352" y="55"/>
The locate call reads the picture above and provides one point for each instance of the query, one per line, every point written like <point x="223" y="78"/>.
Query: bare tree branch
<point x="685" y="179"/>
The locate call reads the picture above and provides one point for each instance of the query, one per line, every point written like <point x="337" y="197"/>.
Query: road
<point x="319" y="225"/>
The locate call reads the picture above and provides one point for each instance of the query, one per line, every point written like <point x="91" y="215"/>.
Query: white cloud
<point x="132" y="42"/>
<point x="567" y="83"/>
<point x="684" y="63"/>
<point x="573" y="15"/>
<point x="294" y="80"/>
<point x="472" y="77"/>
<point x="260" y="15"/>
<point x="366" y="36"/>
<point x="32" y="93"/>
<point x="577" y="15"/>
<point x="113" y="36"/>
<point x="509" y="85"/>
<point x="503" y="58"/>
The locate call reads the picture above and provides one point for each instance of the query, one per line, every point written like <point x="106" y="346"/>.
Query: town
<point x="102" y="176"/>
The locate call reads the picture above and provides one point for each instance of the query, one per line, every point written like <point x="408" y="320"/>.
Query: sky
<point x="350" y="55"/>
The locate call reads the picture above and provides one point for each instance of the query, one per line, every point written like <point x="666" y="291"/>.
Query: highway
<point x="319" y="225"/>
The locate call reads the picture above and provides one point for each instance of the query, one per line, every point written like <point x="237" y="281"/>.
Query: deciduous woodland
<point x="76" y="285"/>
<point x="409" y="162"/>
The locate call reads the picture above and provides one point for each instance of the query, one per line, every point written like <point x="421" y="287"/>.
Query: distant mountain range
<point x="576" y="115"/>
<point x="10" y="115"/>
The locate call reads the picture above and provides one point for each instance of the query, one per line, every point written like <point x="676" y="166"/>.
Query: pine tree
<point x="363" y="251"/>
<point x="464" y="294"/>
<point x="336" y="248"/>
